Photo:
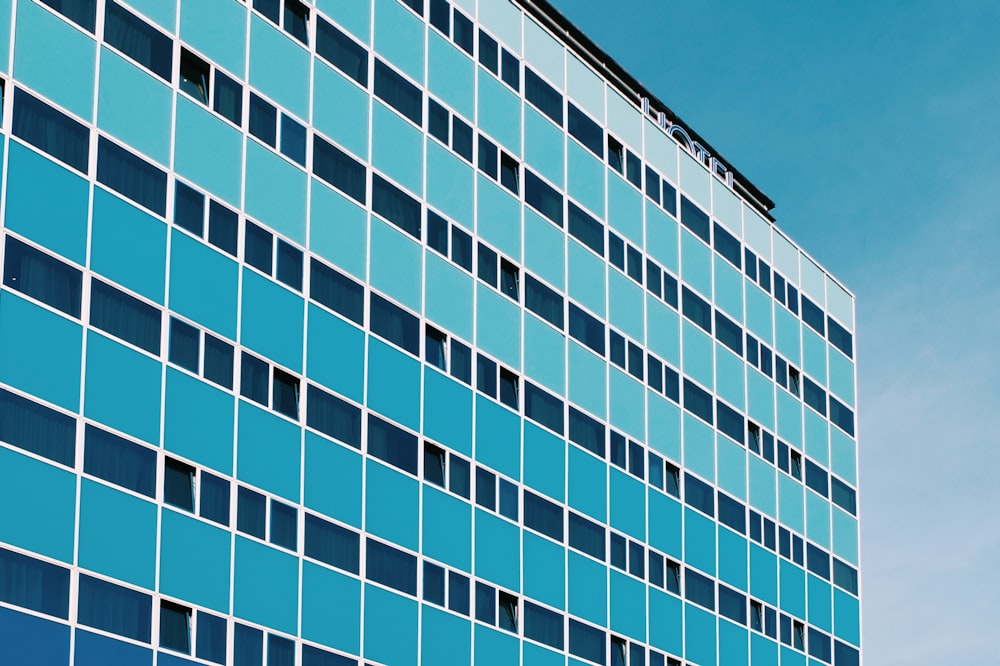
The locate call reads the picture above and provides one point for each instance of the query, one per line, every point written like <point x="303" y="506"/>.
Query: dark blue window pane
<point x="214" y="499"/>
<point x="655" y="464"/>
<point x="114" y="609"/>
<point x="487" y="157"/>
<point x="33" y="584"/>
<point x="750" y="264"/>
<point x="81" y="12"/>
<point x="43" y="277"/>
<point x="543" y="408"/>
<point x="732" y="513"/>
<point x="636" y="559"/>
<point x="729" y="333"/>
<point x="697" y="401"/>
<point x="545" y="98"/>
<point x="297" y="20"/>
<point x="486" y="488"/>
<point x="655" y="569"/>
<point x="699" y="494"/>
<point x="654" y="278"/>
<point x="119" y="461"/>
<point x="251" y="512"/>
<point x="437" y="121"/>
<point x="634" y="264"/>
<point x="617" y="456"/>
<point x="586" y="131"/>
<point x="459" y="477"/>
<point x="509" y="504"/>
<point x="671" y="384"/>
<point x="440" y="16"/>
<point x="510" y="173"/>
<point x="391" y="567"/>
<point x="175" y="627"/>
<point x="461" y="362"/>
<point x="218" y="366"/>
<point x="339" y="169"/>
<point x="313" y="656"/>
<point x="486" y="376"/>
<point x="670" y="290"/>
<point x="336" y="291"/>
<point x="269" y="8"/>
<point x="394" y="324"/>
<point x="132" y="176"/>
<point x="461" y="138"/>
<point x="543" y="516"/>
<point x="845" y="655"/>
<point x="280" y="651"/>
<point x="223" y="227"/>
<point x="652" y="185"/>
<point x="489" y="53"/>
<point x="293" y="140"/>
<point x="254" y="378"/>
<point x="813" y="316"/>
<point x="189" y="209"/>
<point x="636" y="361"/>
<point x="342" y="52"/>
<point x="727" y="245"/>
<point x="434" y="585"/>
<point x="845" y="576"/>
<point x="510" y="69"/>
<point x="817" y="478"/>
<point x="486" y="265"/>
<point x="248" y="646"/>
<point x="258" y="247"/>
<point x="543" y="301"/>
<point x="695" y="219"/>
<point x="335" y="545"/>
<point x="289" y="265"/>
<point x="392" y="444"/>
<point x="178" y="484"/>
<point x="399" y="93"/>
<point x="818" y="561"/>
<point x="839" y="337"/>
<point x="733" y="605"/>
<point x="185" y="345"/>
<point x="40" y="430"/>
<point x="437" y="232"/>
<point x="586" y="432"/>
<point x="792" y="301"/>
<point x="814" y="396"/>
<point x="699" y="589"/>
<point x="654" y="373"/>
<point x="543" y="197"/>
<point x="284" y="525"/>
<point x="779" y="287"/>
<point x="633" y="169"/>
<point x="463" y="33"/>
<point x="228" y="98"/>
<point x="138" y="40"/>
<point x="697" y="310"/>
<point x="616" y="351"/>
<point x="841" y="416"/>
<point x="458" y="593"/>
<point x="763" y="275"/>
<point x="844" y="496"/>
<point x="543" y="625"/>
<point x="396" y="206"/>
<point x="730" y="422"/>
<point x="586" y="641"/>
<point x="616" y="251"/>
<point x="211" y="638"/>
<point x="819" y="646"/>
<point x="586" y="536"/>
<point x="486" y="602"/>
<point x="586" y="329"/>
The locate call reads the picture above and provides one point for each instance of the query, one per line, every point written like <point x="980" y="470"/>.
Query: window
<point x="487" y="157"/>
<point x="38" y="429"/>
<point x="334" y="417"/>
<point x="817" y="478"/>
<point x="633" y="169"/>
<point x="392" y="444"/>
<point x="398" y="93"/>
<point x="697" y="310"/>
<point x="342" y="52"/>
<point x="841" y="416"/>
<point x="586" y="229"/>
<point x="729" y="421"/>
<point x="42" y="277"/>
<point x="510" y="280"/>
<point x="543" y="96"/>
<point x="396" y="206"/>
<point x="131" y="176"/>
<point x="458" y="593"/>
<point x="51" y="131"/>
<point x="284" y="527"/>
<point x="586" y="432"/>
<point x="544" y="198"/>
<point x="214" y="499"/>
<point x="285" y="394"/>
<point x="729" y="333"/>
<point x="699" y="589"/>
<point x="488" y="53"/>
<point x="434" y="584"/>
<point x="391" y="567"/>
<point x="339" y="169"/>
<point x="435" y="348"/>
<point x="459" y="476"/>
<point x="845" y="576"/>
<point x="543" y="625"/>
<point x="695" y="219"/>
<point x="699" y="495"/>
<point x="732" y="605"/>
<point x="119" y="461"/>
<point x="462" y="32"/>
<point x="138" y="40"/>
<point x="336" y="291"/>
<point x="332" y="544"/>
<point x="251" y="512"/>
<point x="543" y="301"/>
<point x="732" y="513"/>
<point x="178" y="484"/>
<point x="510" y="69"/>
<point x="228" y="101"/>
<point x="461" y="361"/>
<point x="248" y="645"/>
<point x="818" y="561"/>
<point x="194" y="76"/>
<point x="34" y="584"/>
<point x="543" y="408"/>
<point x="543" y="516"/>
<point x="211" y="643"/>
<point x="440" y="16"/>
<point x="586" y="329"/>
<point x="293" y="140"/>
<point x="586" y="642"/>
<point x="175" y="627"/>
<point x="507" y="604"/>
<point x="839" y="337"/>
<point x="585" y="130"/>
<point x="296" y="20"/>
<point x="727" y="245"/>
<point x="81" y="12"/>
<point x="394" y="324"/>
<point x="280" y="651"/>
<point x="843" y="495"/>
<point x="615" y="155"/>
<point x="434" y="464"/>
<point x="510" y="173"/>
<point x="673" y="577"/>
<point x="486" y="373"/>
<point x="586" y="536"/>
<point x="697" y="401"/>
<point x="653" y="185"/>
<point x="756" y="616"/>
<point x="115" y="609"/>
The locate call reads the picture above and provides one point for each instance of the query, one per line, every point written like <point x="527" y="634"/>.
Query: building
<point x="380" y="332"/>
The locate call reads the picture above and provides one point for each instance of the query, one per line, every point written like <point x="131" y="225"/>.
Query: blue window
<point x="697" y="401"/>
<point x="634" y="264"/>
<point x="43" y="277"/>
<point x="254" y="378"/>
<point x="461" y="138"/>
<point x="296" y="20"/>
<point x="486" y="487"/>
<point x="733" y="605"/>
<point x="284" y="525"/>
<point x="178" y="484"/>
<point x="342" y="52"/>
<point x="119" y="461"/>
<point x="839" y="337"/>
<point x="545" y="98"/>
<point x="813" y="316"/>
<point x="727" y="245"/>
<point x="437" y="232"/>
<point x="586" y="641"/>
<point x="33" y="584"/>
<point x="543" y="625"/>
<point x="435" y="344"/>
<point x="543" y="516"/>
<point x="51" y="131"/>
<point x="248" y="645"/>
<point x="463" y="33"/>
<point x="459" y="476"/>
<point x="586" y="432"/>
<point x="139" y="41"/>
<point x="194" y="76"/>
<point x="818" y="561"/>
<point x="185" y="345"/>
<point x="654" y="373"/>
<point x="543" y="301"/>
<point x="618" y="446"/>
<point x="486" y="376"/>
<point x="616" y="348"/>
<point x="228" y="98"/>
<point x="750" y="264"/>
<point x="732" y="513"/>
<point x="269" y="8"/>
<point x="670" y="290"/>
<point x="636" y="361"/>
<point x="440" y="16"/>
<point x="509" y="504"/>
<point x="654" y="278"/>
<point x="339" y="169"/>
<point x="395" y="324"/>
<point x="817" y="478"/>
<point x="214" y="499"/>
<point x="398" y="93"/>
<point x="313" y="656"/>
<point x="814" y="396"/>
<point x="285" y="394"/>
<point x="114" y="609"/>
<point x="211" y="644"/>
<point x="218" y="364"/>
<point x="845" y="655"/>
<point x="337" y="546"/>
<point x="461" y="361"/>
<point x="391" y="567"/>
<point x="488" y="53"/>
<point x="251" y="512"/>
<point x="586" y="131"/>
<point x="841" y="416"/>
<point x="487" y="157"/>
<point x="729" y="421"/>
<point x="263" y="120"/>
<point x="671" y="384"/>
<point x="280" y="651"/>
<point x="695" y="219"/>
<point x="652" y="185"/>
<point x="81" y="12"/>
<point x="334" y="417"/>
<point x="396" y="206"/>
<point x="616" y="251"/>
<point x="843" y="495"/>
<point x="697" y="310"/>
<point x="40" y="430"/>
<point x="132" y="176"/>
<point x="486" y="600"/>
<point x="336" y="291"/>
<point x="543" y="407"/>
<point x="289" y="269"/>
<point x="543" y="197"/>
<point x="699" y="495"/>
<point x="189" y="209"/>
<point x="434" y="584"/>
<point x="258" y="247"/>
<point x="175" y="627"/>
<point x="586" y="536"/>
<point x="636" y="559"/>
<point x="510" y="69"/>
<point x="458" y="592"/>
<point x="392" y="444"/>
<point x="293" y="139"/>
<point x="729" y="333"/>
<point x="699" y="589"/>
<point x="633" y="168"/>
<point x="819" y="645"/>
<point x="845" y="576"/>
<point x="586" y="329"/>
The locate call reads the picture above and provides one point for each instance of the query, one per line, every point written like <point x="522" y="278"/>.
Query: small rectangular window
<point x="285" y="395"/>
<point x="434" y="464"/>
<point x="334" y="417"/>
<point x="38" y="429"/>
<point x="699" y="589"/>
<point x="189" y="209"/>
<point x="263" y="120"/>
<point x="336" y="291"/>
<point x="462" y="32"/>
<point x="586" y="329"/>
<point x="488" y="53"/>
<point x="508" y="611"/>
<point x="510" y="69"/>
<point x="486" y="603"/>
<point x="211" y="643"/>
<point x="672" y="479"/>
<point x="655" y="465"/>
<point x="699" y="495"/>
<point x="228" y="101"/>
<point x="398" y="93"/>
<point x="218" y="365"/>
<point x="437" y="232"/>
<point x="254" y="378"/>
<point x="653" y="185"/>
<point x="486" y="489"/>
<point x="698" y="401"/>
<point x="543" y="96"/>
<point x="434" y="583"/>
<point x="269" y="8"/>
<point x="487" y="157"/>
<point x="461" y="138"/>
<point x="394" y="324"/>
<point x="673" y="577"/>
<point x="616" y="348"/>
<point x="461" y="361"/>
<point x="119" y="461"/>
<point x="543" y="516"/>
<point x="655" y="566"/>
<point x="138" y="40"/>
<point x="616" y="251"/>
<point x="280" y="651"/>
<point x="289" y="265"/>
<point x="115" y="609"/>
<point x="636" y="361"/>
<point x="175" y="627"/>
<point x="223" y="227"/>
<point x="543" y="301"/>
<point x="258" y="247"/>
<point x="509" y="500"/>
<point x="509" y="388"/>
<point x="214" y="499"/>
<point x="396" y="206"/>
<point x="435" y="348"/>
<point x="586" y="536"/>
<point x="697" y="310"/>
<point x="487" y="265"/>
<point x="585" y="130"/>
<point x="544" y="198"/>
<point x="284" y="526"/>
<point x="458" y="593"/>
<point x="459" y="476"/>
<point x="732" y="605"/>
<point x="335" y="545"/>
<point x="34" y="584"/>
<point x="543" y="408"/>
<point x="392" y="444"/>
<point x="616" y="158"/>
<point x="185" y="345"/>
<point x="695" y="220"/>
<point x="510" y="173"/>
<point x="461" y="248"/>
<point x="178" y="484"/>
<point x="251" y="512"/>
<point x="342" y="52"/>
<point x="586" y="642"/>
<point x="440" y="16"/>
<point x="654" y="373"/>
<point x="586" y="229"/>
<point x="81" y="12"/>
<point x="618" y="452"/>
<point x="131" y="176"/>
<point x="43" y="277"/>
<point x="293" y="140"/>
<point x="543" y="625"/>
<point x="296" y="20"/>
<point x="248" y="645"/>
<point x="840" y="337"/>
<point x="633" y="168"/>
<point x="437" y="121"/>
<point x="391" y="567"/>
<point x="194" y="75"/>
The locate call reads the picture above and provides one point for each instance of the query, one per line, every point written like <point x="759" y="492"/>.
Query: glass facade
<point x="400" y="332"/>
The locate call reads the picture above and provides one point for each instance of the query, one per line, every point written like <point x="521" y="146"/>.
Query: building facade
<point x="400" y="332"/>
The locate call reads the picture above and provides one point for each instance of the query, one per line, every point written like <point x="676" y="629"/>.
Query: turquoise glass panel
<point x="451" y="77"/>
<point x="663" y="331"/>
<point x="333" y="478"/>
<point x="448" y="296"/>
<point x="790" y="501"/>
<point x="732" y="463"/>
<point x="696" y="263"/>
<point x="203" y="284"/>
<point x="733" y="558"/>
<point x="628" y="605"/>
<point x="544" y="461"/>
<point x="335" y="354"/>
<point x="587" y="484"/>
<point x="198" y="422"/>
<point x="265" y="585"/>
<point x="340" y="109"/>
<point x="498" y="218"/>
<point x="390" y="642"/>
<point x="585" y="177"/>
<point x="543" y="143"/>
<point x="279" y="66"/>
<point x="448" y="411"/>
<point x="393" y="384"/>
<point x="338" y="230"/>
<point x="665" y="532"/>
<point x="624" y="209"/>
<point x="395" y="264"/>
<point x="499" y="107"/>
<point x="763" y="574"/>
<point x="587" y="588"/>
<point x="199" y="575"/>
<point x="544" y="354"/>
<point x="664" y="426"/>
<point x="118" y="225"/>
<point x="276" y="192"/>
<point x="628" y="503"/>
<point x="587" y="272"/>
<point x="269" y="454"/>
<point x="587" y="379"/>
<point x="626" y="404"/>
<point x="50" y="492"/>
<point x="544" y="250"/>
<point x="699" y="541"/>
<point x="498" y="437"/>
<point x="331" y="608"/>
<point x="134" y="106"/>
<point x="447" y="528"/>
<point x="399" y="37"/>
<point x="698" y="349"/>
<point x="272" y="320"/>
<point x="392" y="505"/>
<point x="445" y="638"/>
<point x="111" y="366"/>
<point x="498" y="326"/>
<point x="397" y="148"/>
<point x="666" y="622"/>
<point x="699" y="447"/>
<point x="625" y="301"/>
<point x="728" y="288"/>
<point x="449" y="184"/>
<point x="661" y="237"/>
<point x="117" y="534"/>
<point x="208" y="151"/>
<point x="544" y="570"/>
<point x="699" y="635"/>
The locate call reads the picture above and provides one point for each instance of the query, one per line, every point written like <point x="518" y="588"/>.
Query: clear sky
<point x="875" y="128"/>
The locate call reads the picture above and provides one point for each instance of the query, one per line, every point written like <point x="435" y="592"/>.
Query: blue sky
<point x="875" y="128"/>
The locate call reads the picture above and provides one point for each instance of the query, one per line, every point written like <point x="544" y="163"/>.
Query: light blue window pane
<point x="627" y="499"/>
<point x="586" y="278"/>
<point x="326" y="461"/>
<point x="265" y="585"/>
<point x="793" y="584"/>
<point x="759" y="313"/>
<point x="696" y="263"/>
<point x="199" y="575"/>
<point x="279" y="66"/>
<point x="117" y="534"/>
<point x="336" y="625"/>
<point x="732" y="467"/>
<point x="699" y="541"/>
<point x="817" y="437"/>
<point x="587" y="484"/>
<point x="820" y="600"/>
<point x="272" y="320"/>
<point x="845" y="536"/>
<point x="449" y="184"/>
<point x="728" y="288"/>
<point x="445" y="637"/>
<point x="661" y="237"/>
<point x="340" y="109"/>
<point x="451" y="76"/>
<point x="587" y="382"/>
<point x="846" y="617"/>
<point x="498" y="437"/>
<point x="665" y="515"/>
<point x="543" y="143"/>
<point x="269" y="451"/>
<point x="762" y="650"/>
<point x="763" y="574"/>
<point x="499" y="111"/>
<point x="663" y="331"/>
<point x="544" y="354"/>
<point x="397" y="148"/>
<point x="51" y="494"/>
<point x="336" y="354"/>
<point x="814" y="355"/>
<point x="447" y="528"/>
<point x="209" y="152"/>
<point x="786" y="335"/>
<point x="733" y="649"/>
<point x="498" y="326"/>
<point x="448" y="411"/>
<point x="664" y="426"/>
<point x="763" y="491"/>
<point x="134" y="106"/>
<point x="201" y="27"/>
<point x="627" y="405"/>
<point x="276" y="192"/>
<point x="203" y="284"/>
<point x="625" y="208"/>
<point x="699" y="634"/>
<point x="499" y="218"/>
<point x="818" y="519"/>
<point x="625" y="301"/>
<point x="789" y="418"/>
<point x="841" y="375"/>
<point x="399" y="37"/>
<point x="395" y="264"/>
<point x="666" y="622"/>
<point x="729" y="376"/>
<point x="790" y="500"/>
<point x="843" y="456"/>
<point x="544" y="456"/>
<point x="586" y="177"/>
<point x="198" y="422"/>
<point x="495" y="648"/>
<point x="760" y="399"/>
